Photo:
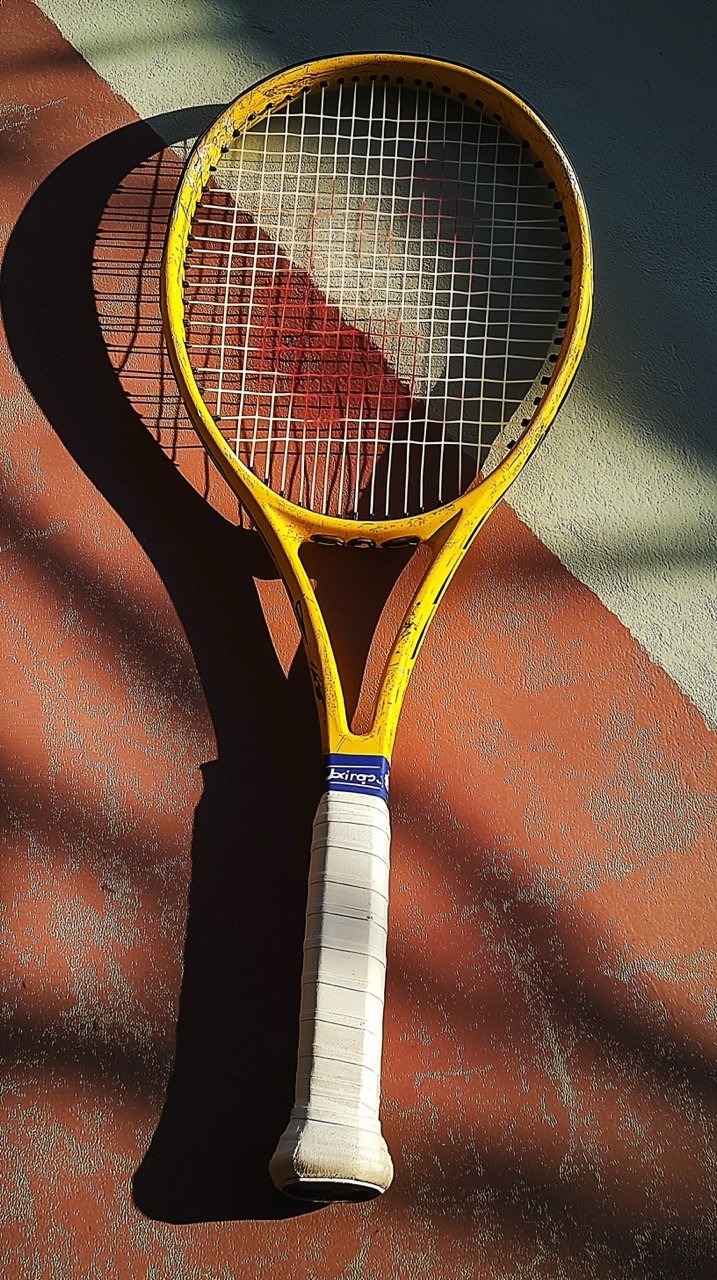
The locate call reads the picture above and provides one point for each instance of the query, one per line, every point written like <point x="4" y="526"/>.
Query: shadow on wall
<point x="244" y="844"/>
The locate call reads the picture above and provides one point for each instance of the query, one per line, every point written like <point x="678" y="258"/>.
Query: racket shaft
<point x="334" y="1136"/>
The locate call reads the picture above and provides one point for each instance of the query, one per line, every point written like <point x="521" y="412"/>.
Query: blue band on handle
<point x="365" y="775"/>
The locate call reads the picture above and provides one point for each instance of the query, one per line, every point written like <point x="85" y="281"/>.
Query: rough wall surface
<point x="550" y="1052"/>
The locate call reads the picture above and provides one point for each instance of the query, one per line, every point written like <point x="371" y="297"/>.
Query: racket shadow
<point x="231" y="1083"/>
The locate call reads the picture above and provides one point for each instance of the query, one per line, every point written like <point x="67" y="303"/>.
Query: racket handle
<point x="332" y="1148"/>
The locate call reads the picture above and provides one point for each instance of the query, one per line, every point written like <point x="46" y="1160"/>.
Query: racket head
<point x="337" y="410"/>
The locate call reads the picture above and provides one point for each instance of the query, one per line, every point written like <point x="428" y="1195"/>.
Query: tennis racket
<point x="376" y="289"/>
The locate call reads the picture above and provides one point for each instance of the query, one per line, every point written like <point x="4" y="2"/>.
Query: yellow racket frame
<point x="449" y="529"/>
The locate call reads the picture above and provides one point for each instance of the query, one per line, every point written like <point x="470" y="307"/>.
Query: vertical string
<point x="344" y="353"/>
<point x="352" y="349"/>
<point x="488" y="296"/>
<point x="273" y="271"/>
<point x="504" y="415"/>
<point x="469" y="295"/>
<point x="433" y="283"/>
<point x="253" y="296"/>
<point x="463" y="239"/>
<point x="419" y="283"/>
<point x="227" y="287"/>
<point x="389" y="307"/>
<point x="377" y="399"/>
<point x="451" y="289"/>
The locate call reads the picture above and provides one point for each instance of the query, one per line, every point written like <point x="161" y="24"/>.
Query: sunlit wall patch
<point x="365" y="775"/>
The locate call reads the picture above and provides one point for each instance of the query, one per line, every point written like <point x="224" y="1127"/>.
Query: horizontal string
<point x="375" y="242"/>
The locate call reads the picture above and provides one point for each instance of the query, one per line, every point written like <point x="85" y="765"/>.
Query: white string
<point x="291" y="254"/>
<point x="371" y="196"/>
<point x="250" y="309"/>
<point x="470" y="309"/>
<point x="273" y="269"/>
<point x="374" y="273"/>
<point x="434" y="352"/>
<point x="481" y="411"/>
<point x="359" y="246"/>
<point x="386" y="305"/>
<point x="225" y="314"/>
<point x="419" y="99"/>
<point x="451" y="305"/>
<point x="506" y="358"/>
<point x="342" y="300"/>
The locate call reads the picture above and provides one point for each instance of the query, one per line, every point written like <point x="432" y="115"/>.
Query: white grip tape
<point x="334" y="1135"/>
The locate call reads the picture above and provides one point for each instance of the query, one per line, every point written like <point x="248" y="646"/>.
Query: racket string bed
<point x="366" y="296"/>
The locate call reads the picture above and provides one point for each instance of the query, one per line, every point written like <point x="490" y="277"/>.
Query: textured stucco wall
<point x="550" y="1071"/>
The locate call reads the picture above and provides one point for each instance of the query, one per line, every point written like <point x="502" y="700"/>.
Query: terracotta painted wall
<point x="550" y="1063"/>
